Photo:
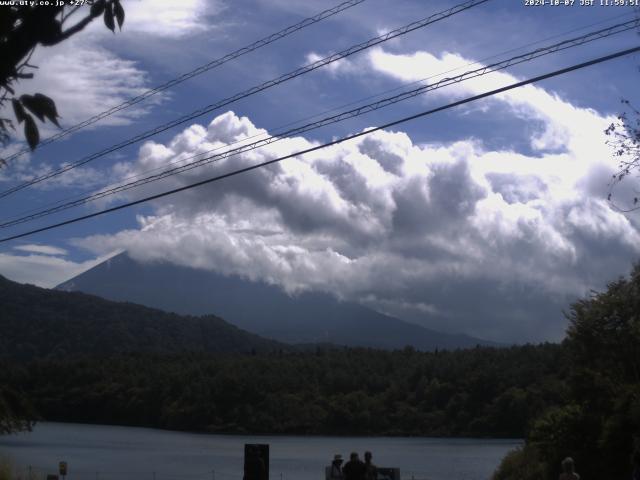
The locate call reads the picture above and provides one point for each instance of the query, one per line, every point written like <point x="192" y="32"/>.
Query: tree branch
<point x="76" y="28"/>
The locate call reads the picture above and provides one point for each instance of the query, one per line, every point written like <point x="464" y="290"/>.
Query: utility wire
<point x="328" y="144"/>
<point x="283" y="78"/>
<point x="197" y="71"/>
<point x="324" y="112"/>
<point x="526" y="57"/>
<point x="319" y="114"/>
<point x="333" y="109"/>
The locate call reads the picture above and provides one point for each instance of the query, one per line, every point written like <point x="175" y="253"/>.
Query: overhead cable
<point x="141" y="174"/>
<point x="196" y="71"/>
<point x="328" y="144"/>
<point x="283" y="78"/>
<point x="525" y="57"/>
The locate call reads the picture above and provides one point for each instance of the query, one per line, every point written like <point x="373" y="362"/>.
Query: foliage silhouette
<point x="22" y="29"/>
<point x="598" y="421"/>
<point x="624" y="136"/>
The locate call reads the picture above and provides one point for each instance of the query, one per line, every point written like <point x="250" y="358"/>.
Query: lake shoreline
<point x="142" y="453"/>
<point x="284" y="434"/>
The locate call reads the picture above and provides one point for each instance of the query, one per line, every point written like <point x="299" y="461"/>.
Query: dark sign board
<point x="256" y="461"/>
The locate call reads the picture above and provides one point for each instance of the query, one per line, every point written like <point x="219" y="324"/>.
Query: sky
<point x="488" y="219"/>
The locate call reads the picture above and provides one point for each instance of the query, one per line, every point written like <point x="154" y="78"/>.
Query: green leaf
<point x="48" y="107"/>
<point x="108" y="17"/>
<point x="97" y="8"/>
<point x="50" y="111"/>
<point x="119" y="13"/>
<point x="42" y="106"/>
<point x="18" y="110"/>
<point x="49" y="31"/>
<point x="31" y="131"/>
<point x="32" y="105"/>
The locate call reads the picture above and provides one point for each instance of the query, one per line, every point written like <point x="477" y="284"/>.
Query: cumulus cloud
<point x="559" y="126"/>
<point x="492" y="243"/>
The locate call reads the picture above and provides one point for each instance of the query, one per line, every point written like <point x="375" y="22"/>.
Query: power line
<point x="526" y="57"/>
<point x="79" y="196"/>
<point x="196" y="71"/>
<point x="328" y="144"/>
<point x="283" y="78"/>
<point x="333" y="109"/>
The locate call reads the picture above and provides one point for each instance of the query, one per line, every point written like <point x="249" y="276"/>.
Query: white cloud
<point x="562" y="126"/>
<point x="85" y="76"/>
<point x="41" y="249"/>
<point x="342" y="66"/>
<point x="43" y="269"/>
<point x="85" y="79"/>
<point x="169" y="18"/>
<point x="454" y="235"/>
<point x="492" y="243"/>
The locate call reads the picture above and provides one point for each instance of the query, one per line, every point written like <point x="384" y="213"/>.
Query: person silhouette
<point x="335" y="472"/>
<point x="568" y="470"/>
<point x="370" y="470"/>
<point x="354" y="468"/>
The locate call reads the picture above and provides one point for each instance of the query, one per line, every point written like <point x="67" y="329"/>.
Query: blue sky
<point x="488" y="219"/>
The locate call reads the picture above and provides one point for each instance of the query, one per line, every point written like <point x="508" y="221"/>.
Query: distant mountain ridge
<point x="257" y="306"/>
<point x="41" y="323"/>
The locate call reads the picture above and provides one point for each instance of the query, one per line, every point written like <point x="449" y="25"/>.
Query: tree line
<point x="597" y="422"/>
<point x="488" y="392"/>
<point x="579" y="398"/>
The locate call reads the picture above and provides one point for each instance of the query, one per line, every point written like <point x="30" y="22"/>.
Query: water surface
<point x="97" y="452"/>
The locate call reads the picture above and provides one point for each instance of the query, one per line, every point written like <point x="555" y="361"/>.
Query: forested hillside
<point x="40" y="323"/>
<point x="579" y="398"/>
<point x="477" y="392"/>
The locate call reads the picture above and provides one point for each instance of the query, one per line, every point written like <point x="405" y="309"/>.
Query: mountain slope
<point x="39" y="323"/>
<point x="256" y="306"/>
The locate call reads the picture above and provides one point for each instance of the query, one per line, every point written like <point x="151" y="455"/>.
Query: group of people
<point x="354" y="469"/>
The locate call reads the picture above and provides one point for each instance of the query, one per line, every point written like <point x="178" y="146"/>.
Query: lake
<point x="97" y="452"/>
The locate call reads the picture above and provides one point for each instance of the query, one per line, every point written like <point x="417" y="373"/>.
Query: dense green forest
<point x="40" y="323"/>
<point x="16" y="411"/>
<point x="477" y="392"/>
<point x="598" y="420"/>
<point x="580" y="398"/>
